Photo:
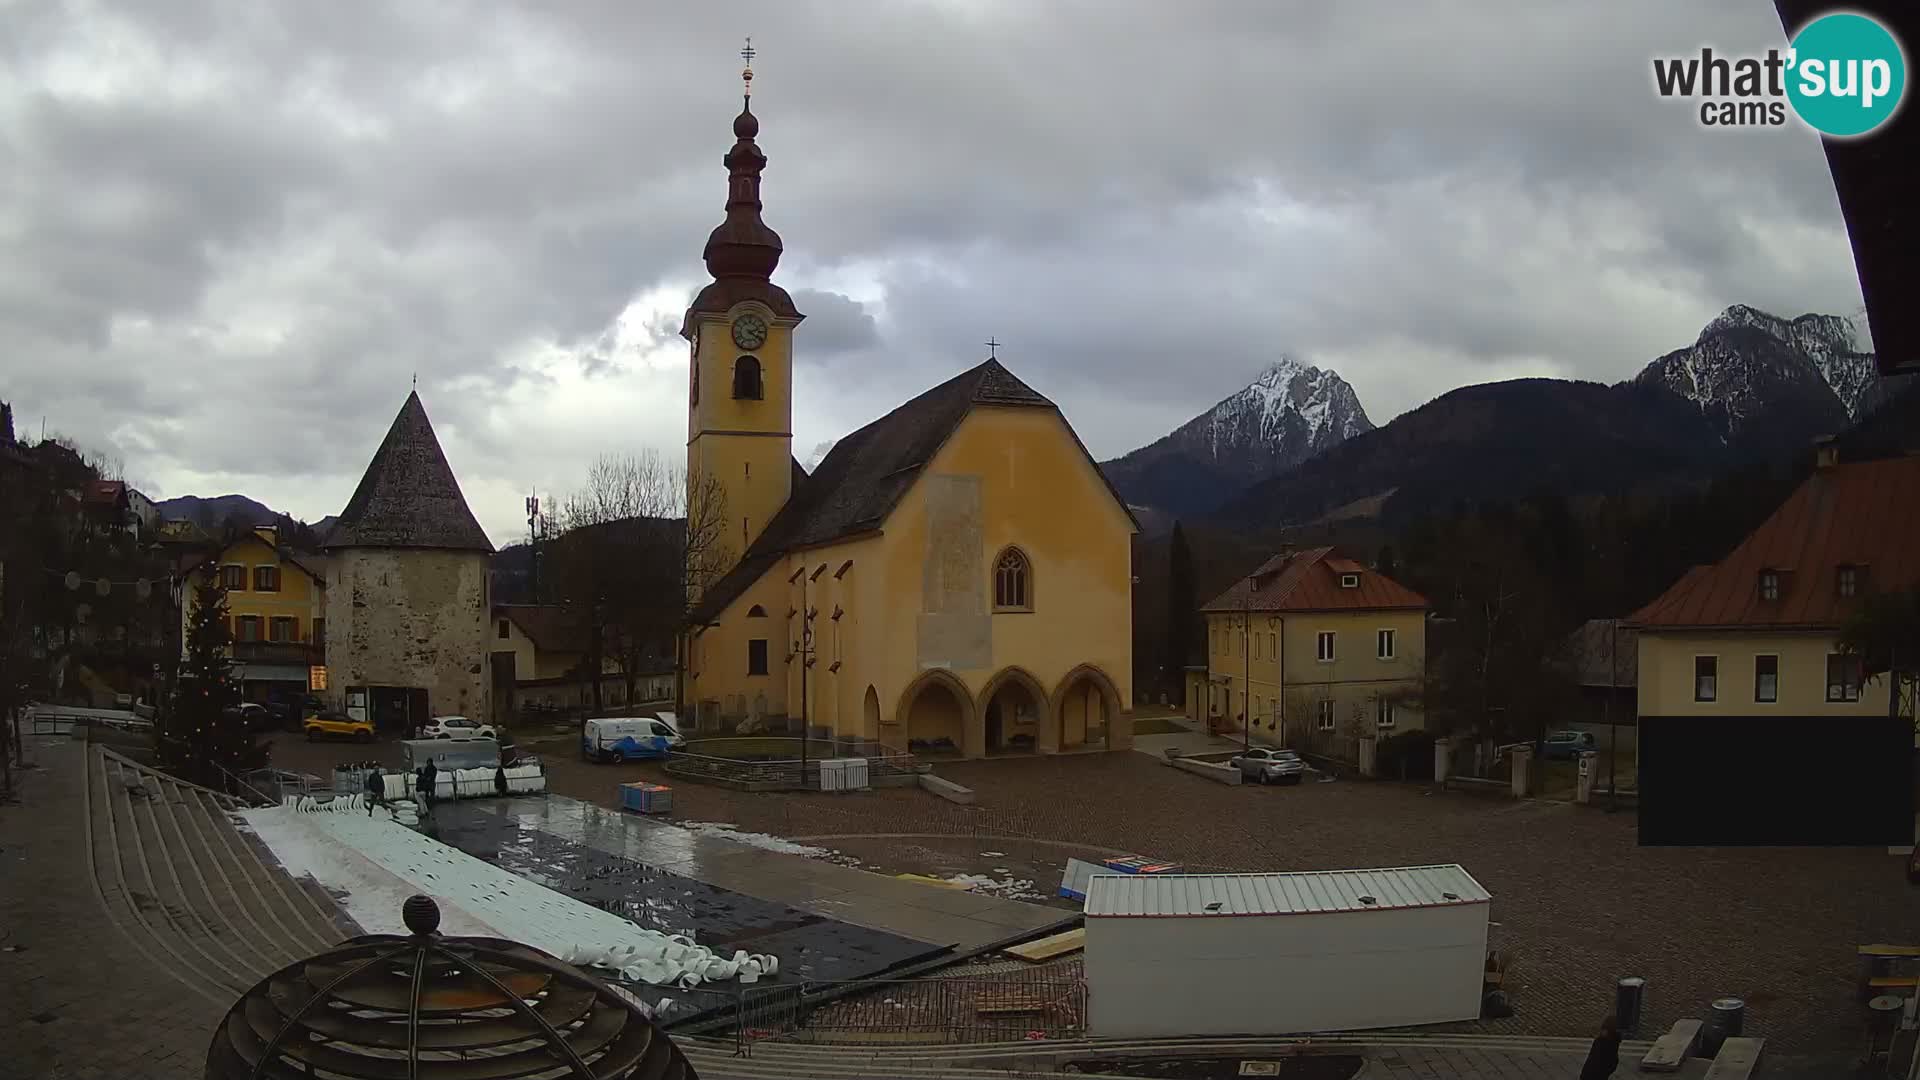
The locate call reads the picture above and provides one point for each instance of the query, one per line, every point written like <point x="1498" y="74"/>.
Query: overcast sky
<point x="236" y="231"/>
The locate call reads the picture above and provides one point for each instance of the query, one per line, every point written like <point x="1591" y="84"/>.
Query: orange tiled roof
<point x="1864" y="515"/>
<point x="1310" y="581"/>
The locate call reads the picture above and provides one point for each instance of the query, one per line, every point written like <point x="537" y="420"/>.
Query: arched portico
<point x="1087" y="711"/>
<point x="1014" y="714"/>
<point x="937" y="713"/>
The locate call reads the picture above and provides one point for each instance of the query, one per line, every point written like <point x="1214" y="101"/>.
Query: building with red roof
<point x="1317" y="649"/>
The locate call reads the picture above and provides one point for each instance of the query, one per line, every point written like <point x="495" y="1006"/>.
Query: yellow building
<point x="276" y="612"/>
<point x="1317" y="650"/>
<point x="954" y="577"/>
<point x="1755" y="634"/>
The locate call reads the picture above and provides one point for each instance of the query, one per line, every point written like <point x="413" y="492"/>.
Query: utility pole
<point x="1613" y="729"/>
<point x="533" y="545"/>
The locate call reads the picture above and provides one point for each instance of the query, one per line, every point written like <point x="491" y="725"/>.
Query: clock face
<point x="749" y="331"/>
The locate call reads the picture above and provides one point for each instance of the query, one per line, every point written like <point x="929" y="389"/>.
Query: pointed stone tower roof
<point x="408" y="497"/>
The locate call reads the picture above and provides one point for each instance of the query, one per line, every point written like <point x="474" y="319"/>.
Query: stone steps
<point x="188" y="889"/>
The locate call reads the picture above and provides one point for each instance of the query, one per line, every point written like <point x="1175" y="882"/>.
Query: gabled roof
<point x="1603" y="652"/>
<point x="1865" y="514"/>
<point x="549" y="626"/>
<point x="1310" y="581"/>
<point x="408" y="497"/>
<point x="867" y="473"/>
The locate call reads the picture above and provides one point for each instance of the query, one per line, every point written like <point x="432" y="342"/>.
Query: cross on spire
<point x="746" y="74"/>
<point x="993" y="349"/>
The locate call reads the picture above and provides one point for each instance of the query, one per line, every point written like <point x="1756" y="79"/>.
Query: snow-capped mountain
<point x="1290" y="413"/>
<point x="1749" y="369"/>
<point x="818" y="455"/>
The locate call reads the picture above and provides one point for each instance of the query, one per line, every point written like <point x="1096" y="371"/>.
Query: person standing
<point x="1605" y="1055"/>
<point x="429" y="778"/>
<point x="376" y="790"/>
<point x="500" y="780"/>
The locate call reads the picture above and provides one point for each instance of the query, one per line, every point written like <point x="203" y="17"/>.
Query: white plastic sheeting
<point x="315" y="837"/>
<point x="468" y="783"/>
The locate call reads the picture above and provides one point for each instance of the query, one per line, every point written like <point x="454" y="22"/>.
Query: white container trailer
<point x="1275" y="954"/>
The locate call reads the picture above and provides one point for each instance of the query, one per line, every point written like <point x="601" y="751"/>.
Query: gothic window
<point x="756" y="612"/>
<point x="1012" y="581"/>
<point x="746" y="378"/>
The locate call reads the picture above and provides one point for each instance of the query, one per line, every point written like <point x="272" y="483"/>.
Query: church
<point x="953" y="578"/>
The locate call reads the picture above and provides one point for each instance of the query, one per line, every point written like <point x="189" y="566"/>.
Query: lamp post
<point x="803" y="648"/>
<point x="1246" y="669"/>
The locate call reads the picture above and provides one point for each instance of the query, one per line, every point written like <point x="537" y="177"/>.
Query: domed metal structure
<point x="417" y="1007"/>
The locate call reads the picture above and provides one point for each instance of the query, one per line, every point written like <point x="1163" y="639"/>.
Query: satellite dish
<point x="73" y="580"/>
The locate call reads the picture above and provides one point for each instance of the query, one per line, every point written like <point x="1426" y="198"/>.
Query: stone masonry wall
<point x="410" y="617"/>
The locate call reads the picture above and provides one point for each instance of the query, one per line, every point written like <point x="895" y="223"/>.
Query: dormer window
<point x="1769" y="585"/>
<point x="1349" y="581"/>
<point x="1846" y="581"/>
<point x="746" y="378"/>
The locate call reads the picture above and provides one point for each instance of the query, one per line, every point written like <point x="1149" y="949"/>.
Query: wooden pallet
<point x="1049" y="947"/>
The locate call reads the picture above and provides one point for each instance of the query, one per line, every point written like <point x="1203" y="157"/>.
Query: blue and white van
<point x="628" y="738"/>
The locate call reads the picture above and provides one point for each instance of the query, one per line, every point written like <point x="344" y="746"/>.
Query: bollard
<point x="1629" y="1000"/>
<point x="1724" y="1020"/>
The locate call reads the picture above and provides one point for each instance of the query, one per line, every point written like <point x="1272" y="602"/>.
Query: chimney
<point x="269" y="533"/>
<point x="1826" y="453"/>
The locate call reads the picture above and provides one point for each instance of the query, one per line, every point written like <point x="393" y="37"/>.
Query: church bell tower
<point x="740" y="393"/>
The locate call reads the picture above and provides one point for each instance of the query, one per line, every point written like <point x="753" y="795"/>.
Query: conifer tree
<point x="202" y="729"/>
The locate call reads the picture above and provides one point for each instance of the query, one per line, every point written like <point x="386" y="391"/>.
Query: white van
<point x="628" y="737"/>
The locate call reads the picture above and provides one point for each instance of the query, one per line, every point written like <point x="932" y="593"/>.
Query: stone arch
<point x="1040" y="731"/>
<point x="870" y="714"/>
<point x="1087" y="709"/>
<point x="931" y="720"/>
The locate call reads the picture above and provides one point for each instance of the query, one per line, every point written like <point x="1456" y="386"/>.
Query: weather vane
<point x="746" y="74"/>
<point x="993" y="349"/>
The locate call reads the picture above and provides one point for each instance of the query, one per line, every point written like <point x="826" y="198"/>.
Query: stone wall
<point x="410" y="617"/>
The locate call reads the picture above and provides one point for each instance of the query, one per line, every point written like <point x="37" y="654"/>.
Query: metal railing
<point x="787" y="773"/>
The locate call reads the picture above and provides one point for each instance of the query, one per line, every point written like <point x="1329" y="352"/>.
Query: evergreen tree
<point x="1182" y="609"/>
<point x="202" y="729"/>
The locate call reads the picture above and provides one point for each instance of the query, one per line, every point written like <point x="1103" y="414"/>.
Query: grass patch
<point x="1157" y="725"/>
<point x="751" y="748"/>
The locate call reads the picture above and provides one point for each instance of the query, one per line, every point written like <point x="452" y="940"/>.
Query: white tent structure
<point x="1271" y="954"/>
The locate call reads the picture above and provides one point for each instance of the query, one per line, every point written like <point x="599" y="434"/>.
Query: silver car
<point x="1263" y="766"/>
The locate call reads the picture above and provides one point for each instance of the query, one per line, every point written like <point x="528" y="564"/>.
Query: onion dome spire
<point x="743" y="245"/>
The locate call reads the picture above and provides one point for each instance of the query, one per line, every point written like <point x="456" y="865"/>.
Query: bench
<point x="1669" y="1053"/>
<point x="1737" y="1060"/>
<point x="1892" y="982"/>
<point x="1879" y="975"/>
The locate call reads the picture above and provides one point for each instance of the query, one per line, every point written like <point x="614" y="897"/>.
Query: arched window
<point x="746" y="378"/>
<point x="1012" y="581"/>
<point x="756" y="612"/>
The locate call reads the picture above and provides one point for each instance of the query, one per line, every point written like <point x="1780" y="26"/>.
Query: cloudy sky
<point x="236" y="230"/>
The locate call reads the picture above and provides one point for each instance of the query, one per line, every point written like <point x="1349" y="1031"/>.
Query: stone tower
<point x="407" y="588"/>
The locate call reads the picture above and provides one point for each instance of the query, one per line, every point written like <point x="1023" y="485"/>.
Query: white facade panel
<point x="1284" y="973"/>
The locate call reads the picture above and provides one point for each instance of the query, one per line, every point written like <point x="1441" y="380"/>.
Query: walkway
<point x="922" y="912"/>
<point x="134" y="913"/>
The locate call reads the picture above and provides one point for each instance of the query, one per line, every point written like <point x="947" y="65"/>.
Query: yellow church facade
<point x="953" y="578"/>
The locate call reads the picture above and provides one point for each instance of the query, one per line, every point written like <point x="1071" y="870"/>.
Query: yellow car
<point x="328" y="723"/>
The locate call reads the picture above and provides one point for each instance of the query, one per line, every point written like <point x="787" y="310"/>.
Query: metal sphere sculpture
<point x="421" y="1006"/>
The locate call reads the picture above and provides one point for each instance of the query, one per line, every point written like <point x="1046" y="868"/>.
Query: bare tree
<point x="639" y="542"/>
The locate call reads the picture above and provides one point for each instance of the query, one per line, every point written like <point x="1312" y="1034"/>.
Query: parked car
<point x="1566" y="745"/>
<point x="456" y="727"/>
<point x="330" y="724"/>
<point x="257" y="717"/>
<point x="1263" y="766"/>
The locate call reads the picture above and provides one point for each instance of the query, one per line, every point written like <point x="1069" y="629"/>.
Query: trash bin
<point x="1629" y="999"/>
<point x="1724" y="1020"/>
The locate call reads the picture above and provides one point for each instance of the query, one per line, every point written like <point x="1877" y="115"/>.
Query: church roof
<point x="408" y="497"/>
<point x="866" y="474"/>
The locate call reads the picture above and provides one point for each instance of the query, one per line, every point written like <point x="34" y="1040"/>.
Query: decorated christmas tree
<point x="204" y="733"/>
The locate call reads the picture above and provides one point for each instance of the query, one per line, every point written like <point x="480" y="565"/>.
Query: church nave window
<point x="746" y="378"/>
<point x="757" y="656"/>
<point x="1012" y="581"/>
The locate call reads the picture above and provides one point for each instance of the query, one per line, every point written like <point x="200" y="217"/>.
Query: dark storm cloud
<point x="1147" y="201"/>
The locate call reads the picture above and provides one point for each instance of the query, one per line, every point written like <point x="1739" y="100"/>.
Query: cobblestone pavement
<point x="1576" y="901"/>
<point x="76" y="1000"/>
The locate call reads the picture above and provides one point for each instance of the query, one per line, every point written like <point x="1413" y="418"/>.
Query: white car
<point x="456" y="727"/>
